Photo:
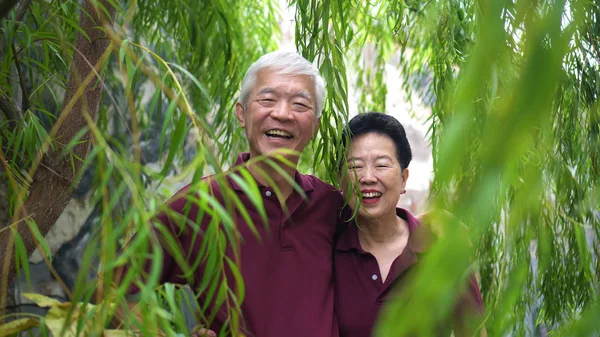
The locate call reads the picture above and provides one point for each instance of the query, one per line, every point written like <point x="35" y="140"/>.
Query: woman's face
<point x="374" y="179"/>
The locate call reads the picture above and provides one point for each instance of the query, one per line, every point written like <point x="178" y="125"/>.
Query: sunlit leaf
<point x="18" y="326"/>
<point x="44" y="301"/>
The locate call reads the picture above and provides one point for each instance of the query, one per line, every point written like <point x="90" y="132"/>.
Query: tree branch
<point x="10" y="110"/>
<point x="25" y="104"/>
<point x="49" y="194"/>
<point x="6" y="6"/>
<point x="22" y="9"/>
<point x="7" y="107"/>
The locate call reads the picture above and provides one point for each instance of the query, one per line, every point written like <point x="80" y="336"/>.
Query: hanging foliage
<point x="515" y="129"/>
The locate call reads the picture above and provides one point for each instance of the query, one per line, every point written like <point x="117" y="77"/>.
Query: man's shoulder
<point x="320" y="185"/>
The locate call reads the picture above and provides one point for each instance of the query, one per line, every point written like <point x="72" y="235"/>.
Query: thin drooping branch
<point x="9" y="109"/>
<point x="50" y="193"/>
<point x="6" y="6"/>
<point x="22" y="9"/>
<point x="25" y="105"/>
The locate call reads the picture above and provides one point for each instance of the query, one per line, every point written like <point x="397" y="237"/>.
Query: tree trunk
<point x="53" y="182"/>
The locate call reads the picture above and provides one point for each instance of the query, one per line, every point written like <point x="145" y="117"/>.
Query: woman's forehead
<point x="372" y="142"/>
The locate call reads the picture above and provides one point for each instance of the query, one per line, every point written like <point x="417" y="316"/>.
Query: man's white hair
<point x="285" y="63"/>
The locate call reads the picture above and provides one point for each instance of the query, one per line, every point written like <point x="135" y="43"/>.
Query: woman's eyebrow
<point x="385" y="156"/>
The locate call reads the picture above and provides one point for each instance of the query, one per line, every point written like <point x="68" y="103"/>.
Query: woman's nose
<point x="368" y="175"/>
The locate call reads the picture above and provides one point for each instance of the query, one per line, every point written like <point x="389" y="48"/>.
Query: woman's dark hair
<point x="380" y="123"/>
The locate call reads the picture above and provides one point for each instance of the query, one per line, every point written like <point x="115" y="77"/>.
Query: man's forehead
<point x="270" y="74"/>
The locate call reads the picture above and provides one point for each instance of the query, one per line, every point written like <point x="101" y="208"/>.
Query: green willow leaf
<point x="21" y="258"/>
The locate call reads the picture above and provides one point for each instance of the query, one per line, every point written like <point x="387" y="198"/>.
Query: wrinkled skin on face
<point x="280" y="113"/>
<point x="375" y="173"/>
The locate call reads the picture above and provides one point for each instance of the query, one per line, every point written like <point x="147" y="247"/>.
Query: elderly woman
<point x="371" y="256"/>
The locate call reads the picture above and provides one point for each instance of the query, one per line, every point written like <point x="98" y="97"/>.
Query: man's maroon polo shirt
<point x="359" y="292"/>
<point x="288" y="273"/>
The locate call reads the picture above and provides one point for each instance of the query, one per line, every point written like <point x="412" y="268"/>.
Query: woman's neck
<point x="382" y="230"/>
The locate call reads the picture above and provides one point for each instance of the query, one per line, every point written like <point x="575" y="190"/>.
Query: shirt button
<point x="268" y="193"/>
<point x="374" y="277"/>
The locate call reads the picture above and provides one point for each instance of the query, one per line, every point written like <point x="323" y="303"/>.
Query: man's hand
<point x="203" y="332"/>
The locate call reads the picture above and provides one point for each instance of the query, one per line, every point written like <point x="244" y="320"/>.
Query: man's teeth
<point x="278" y="133"/>
<point x="371" y="195"/>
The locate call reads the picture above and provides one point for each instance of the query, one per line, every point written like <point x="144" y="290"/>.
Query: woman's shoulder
<point x="434" y="225"/>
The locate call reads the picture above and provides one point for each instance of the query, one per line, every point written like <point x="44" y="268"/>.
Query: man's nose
<point x="282" y="111"/>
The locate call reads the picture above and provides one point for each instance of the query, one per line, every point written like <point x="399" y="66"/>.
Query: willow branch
<point x="6" y="6"/>
<point x="22" y="9"/>
<point x="9" y="109"/>
<point x="25" y="105"/>
<point x="49" y="194"/>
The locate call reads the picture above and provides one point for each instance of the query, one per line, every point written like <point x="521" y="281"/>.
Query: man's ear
<point x="239" y="113"/>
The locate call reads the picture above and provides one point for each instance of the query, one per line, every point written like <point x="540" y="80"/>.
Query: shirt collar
<point x="302" y="180"/>
<point x="349" y="238"/>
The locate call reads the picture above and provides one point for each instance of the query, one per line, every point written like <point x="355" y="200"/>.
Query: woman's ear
<point x="404" y="177"/>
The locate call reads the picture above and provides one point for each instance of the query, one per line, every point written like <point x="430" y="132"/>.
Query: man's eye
<point x="301" y="106"/>
<point x="354" y="167"/>
<point x="266" y="101"/>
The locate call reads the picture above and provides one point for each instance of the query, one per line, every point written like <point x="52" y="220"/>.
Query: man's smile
<point x="278" y="133"/>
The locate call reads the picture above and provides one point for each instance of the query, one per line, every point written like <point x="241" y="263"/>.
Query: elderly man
<point x="288" y="270"/>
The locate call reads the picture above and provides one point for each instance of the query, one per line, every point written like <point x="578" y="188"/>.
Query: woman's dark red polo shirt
<point x="359" y="292"/>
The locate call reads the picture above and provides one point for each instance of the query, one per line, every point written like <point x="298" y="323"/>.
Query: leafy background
<point x="514" y="128"/>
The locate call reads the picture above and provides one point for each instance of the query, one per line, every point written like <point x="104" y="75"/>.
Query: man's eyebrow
<point x="266" y="91"/>
<point x="304" y="94"/>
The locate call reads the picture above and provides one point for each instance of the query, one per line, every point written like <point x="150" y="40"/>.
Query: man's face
<point x="280" y="113"/>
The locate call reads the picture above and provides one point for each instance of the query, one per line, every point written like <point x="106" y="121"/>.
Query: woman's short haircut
<point x="286" y="63"/>
<point x="380" y="123"/>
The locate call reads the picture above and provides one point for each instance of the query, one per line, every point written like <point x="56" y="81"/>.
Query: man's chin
<point x="285" y="152"/>
<point x="282" y="155"/>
